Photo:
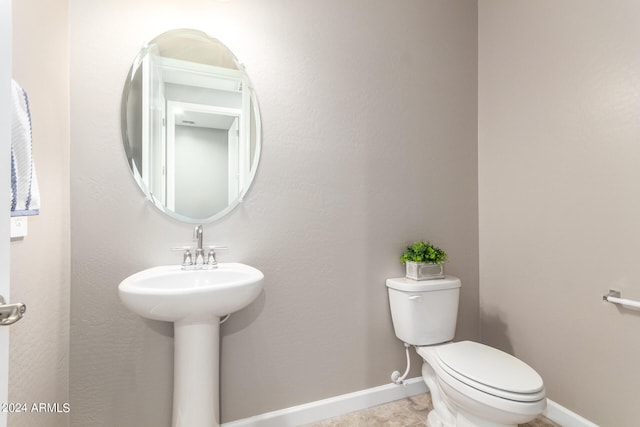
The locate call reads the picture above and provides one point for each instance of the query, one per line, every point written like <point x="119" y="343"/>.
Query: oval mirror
<point x="190" y="126"/>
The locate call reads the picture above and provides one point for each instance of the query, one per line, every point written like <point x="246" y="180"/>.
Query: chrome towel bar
<point x="614" y="297"/>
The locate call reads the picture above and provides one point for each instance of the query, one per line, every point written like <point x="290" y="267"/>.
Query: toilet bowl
<point x="471" y="384"/>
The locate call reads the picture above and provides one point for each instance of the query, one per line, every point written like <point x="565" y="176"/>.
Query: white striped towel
<point x="25" y="195"/>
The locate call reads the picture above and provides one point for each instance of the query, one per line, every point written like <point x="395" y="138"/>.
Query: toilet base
<point x="462" y="420"/>
<point x="467" y="420"/>
<point x="448" y="412"/>
<point x="433" y="420"/>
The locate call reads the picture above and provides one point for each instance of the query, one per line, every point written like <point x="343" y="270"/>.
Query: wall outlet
<point x="18" y="226"/>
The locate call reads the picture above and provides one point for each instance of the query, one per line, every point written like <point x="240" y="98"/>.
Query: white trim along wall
<point x="351" y="402"/>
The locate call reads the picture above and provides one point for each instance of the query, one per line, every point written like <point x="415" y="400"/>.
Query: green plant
<point x="424" y="252"/>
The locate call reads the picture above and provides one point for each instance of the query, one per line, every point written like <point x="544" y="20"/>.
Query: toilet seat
<point x="486" y="369"/>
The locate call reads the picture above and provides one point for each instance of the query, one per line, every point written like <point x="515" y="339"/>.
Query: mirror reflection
<point x="191" y="126"/>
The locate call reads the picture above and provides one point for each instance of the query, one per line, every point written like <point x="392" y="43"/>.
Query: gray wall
<point x="369" y="111"/>
<point x="39" y="356"/>
<point x="559" y="195"/>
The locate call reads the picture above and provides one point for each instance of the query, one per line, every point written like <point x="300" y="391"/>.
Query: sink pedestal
<point x="196" y="391"/>
<point x="194" y="300"/>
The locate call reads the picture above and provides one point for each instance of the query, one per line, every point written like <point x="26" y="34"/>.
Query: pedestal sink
<point x="194" y="300"/>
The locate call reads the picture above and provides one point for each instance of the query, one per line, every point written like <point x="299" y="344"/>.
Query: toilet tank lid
<point x="409" y="285"/>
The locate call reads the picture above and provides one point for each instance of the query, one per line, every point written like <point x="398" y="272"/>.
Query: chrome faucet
<point x="198" y="262"/>
<point x="197" y="235"/>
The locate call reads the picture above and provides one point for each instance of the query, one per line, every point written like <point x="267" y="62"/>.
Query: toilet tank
<point x="424" y="312"/>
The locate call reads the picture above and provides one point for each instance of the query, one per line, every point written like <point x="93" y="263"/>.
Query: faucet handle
<point x="187" y="260"/>
<point x="212" y="262"/>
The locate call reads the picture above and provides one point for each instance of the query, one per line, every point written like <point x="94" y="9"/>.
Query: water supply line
<point x="395" y="376"/>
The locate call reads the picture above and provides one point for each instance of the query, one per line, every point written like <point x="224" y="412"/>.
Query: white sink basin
<point x="171" y="294"/>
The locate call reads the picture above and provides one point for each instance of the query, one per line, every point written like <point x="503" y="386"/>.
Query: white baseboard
<point x="564" y="417"/>
<point x="334" y="406"/>
<point x="339" y="405"/>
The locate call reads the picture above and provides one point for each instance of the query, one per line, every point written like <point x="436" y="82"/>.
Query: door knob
<point x="10" y="313"/>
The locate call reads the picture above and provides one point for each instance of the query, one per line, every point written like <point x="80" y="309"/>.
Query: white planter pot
<point x="424" y="271"/>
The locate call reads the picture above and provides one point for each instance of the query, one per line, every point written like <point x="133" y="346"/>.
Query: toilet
<point x="471" y="384"/>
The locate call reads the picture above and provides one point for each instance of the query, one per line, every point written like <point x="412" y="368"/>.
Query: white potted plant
<point x="424" y="261"/>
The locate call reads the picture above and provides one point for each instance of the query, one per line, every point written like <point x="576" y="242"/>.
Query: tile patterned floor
<point x="410" y="412"/>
